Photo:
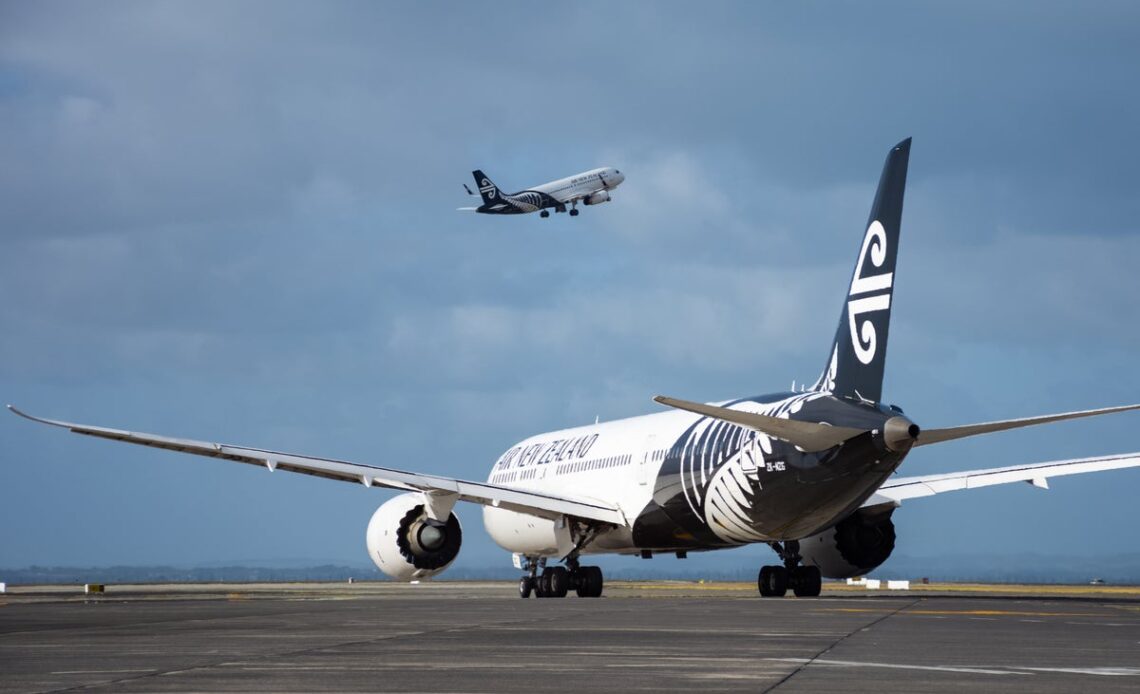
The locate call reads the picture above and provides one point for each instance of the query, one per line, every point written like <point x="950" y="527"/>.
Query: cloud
<point x="238" y="221"/>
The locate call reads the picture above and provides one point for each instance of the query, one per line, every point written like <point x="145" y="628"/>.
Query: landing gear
<point x="544" y="214"/>
<point x="588" y="580"/>
<point x="557" y="581"/>
<point x="806" y="581"/>
<point x="573" y="211"/>
<point x="774" y="581"/>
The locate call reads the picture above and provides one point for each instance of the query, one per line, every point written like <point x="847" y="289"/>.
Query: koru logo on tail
<point x="487" y="188"/>
<point x="874" y="292"/>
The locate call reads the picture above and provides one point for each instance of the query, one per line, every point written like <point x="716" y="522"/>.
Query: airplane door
<point x="644" y="468"/>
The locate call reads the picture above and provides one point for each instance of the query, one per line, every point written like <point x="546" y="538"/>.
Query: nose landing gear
<point x="774" y="581"/>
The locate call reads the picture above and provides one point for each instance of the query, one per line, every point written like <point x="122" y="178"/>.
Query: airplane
<point x="589" y="188"/>
<point x="809" y="473"/>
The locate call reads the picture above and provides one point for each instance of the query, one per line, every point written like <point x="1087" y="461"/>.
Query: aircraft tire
<point x="590" y="582"/>
<point x="806" y="581"/>
<point x="542" y="584"/>
<point x="558" y="581"/>
<point x="573" y="213"/>
<point x="773" y="581"/>
<point x="526" y="585"/>
<point x="544" y="214"/>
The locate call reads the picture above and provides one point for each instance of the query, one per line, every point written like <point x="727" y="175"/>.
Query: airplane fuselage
<point x="685" y="481"/>
<point x="589" y="187"/>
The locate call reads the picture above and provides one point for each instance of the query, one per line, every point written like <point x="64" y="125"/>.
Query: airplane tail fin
<point x="488" y="190"/>
<point x="859" y="354"/>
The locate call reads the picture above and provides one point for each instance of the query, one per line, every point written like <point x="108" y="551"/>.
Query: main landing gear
<point x="557" y="581"/>
<point x="774" y="581"/>
<point x="544" y="214"/>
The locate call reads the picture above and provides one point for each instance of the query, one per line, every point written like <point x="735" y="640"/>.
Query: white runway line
<point x="1102" y="671"/>
<point x="1011" y="669"/>
<point x="893" y="666"/>
<point x="97" y="672"/>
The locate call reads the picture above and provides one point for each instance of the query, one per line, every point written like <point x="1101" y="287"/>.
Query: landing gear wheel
<point x="557" y="581"/>
<point x="773" y="581"/>
<point x="542" y="584"/>
<point x="544" y="214"/>
<point x="573" y="213"/>
<point x="526" y="585"/>
<point x="806" y="581"/>
<point x="590" y="582"/>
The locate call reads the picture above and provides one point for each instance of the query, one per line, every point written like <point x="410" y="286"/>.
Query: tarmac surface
<point x="480" y="637"/>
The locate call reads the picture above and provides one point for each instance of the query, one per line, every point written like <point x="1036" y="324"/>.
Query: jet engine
<point x="597" y="198"/>
<point x="407" y="545"/>
<point x="854" y="546"/>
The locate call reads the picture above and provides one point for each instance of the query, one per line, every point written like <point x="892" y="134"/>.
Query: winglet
<point x="41" y="420"/>
<point x="17" y="411"/>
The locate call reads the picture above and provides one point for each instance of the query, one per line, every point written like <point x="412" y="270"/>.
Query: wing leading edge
<point x="522" y="501"/>
<point x="897" y="490"/>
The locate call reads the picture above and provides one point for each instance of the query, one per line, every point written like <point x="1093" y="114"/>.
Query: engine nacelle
<point x="597" y="198"/>
<point x="407" y="545"/>
<point x="854" y="546"/>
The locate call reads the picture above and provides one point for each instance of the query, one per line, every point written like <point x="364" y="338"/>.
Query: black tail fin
<point x="488" y="190"/>
<point x="859" y="354"/>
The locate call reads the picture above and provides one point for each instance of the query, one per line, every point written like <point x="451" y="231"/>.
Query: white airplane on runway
<point x="811" y="473"/>
<point x="589" y="188"/>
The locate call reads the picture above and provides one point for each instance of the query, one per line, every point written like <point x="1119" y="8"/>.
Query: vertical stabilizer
<point x="859" y="354"/>
<point x="488" y="190"/>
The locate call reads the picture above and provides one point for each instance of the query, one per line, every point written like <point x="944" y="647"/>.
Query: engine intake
<point x="407" y="545"/>
<point x="854" y="546"/>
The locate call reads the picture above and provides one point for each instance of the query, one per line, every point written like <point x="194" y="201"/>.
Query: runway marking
<point x="894" y="666"/>
<point x="1103" y="671"/>
<point x="973" y="613"/>
<point x="97" y="672"/>
<point x="1009" y="669"/>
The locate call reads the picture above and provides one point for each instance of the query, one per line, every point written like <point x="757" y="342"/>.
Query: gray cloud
<point x="237" y="221"/>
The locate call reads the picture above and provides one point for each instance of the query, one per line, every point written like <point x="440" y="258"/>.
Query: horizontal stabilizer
<point x="809" y="436"/>
<point x="928" y="436"/>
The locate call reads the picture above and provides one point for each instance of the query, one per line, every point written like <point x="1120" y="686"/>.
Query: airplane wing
<point x="533" y="503"/>
<point x="897" y="490"/>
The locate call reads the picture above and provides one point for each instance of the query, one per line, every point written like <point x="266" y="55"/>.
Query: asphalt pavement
<point x="480" y="637"/>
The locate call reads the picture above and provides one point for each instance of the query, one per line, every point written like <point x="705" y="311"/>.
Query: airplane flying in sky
<point x="809" y="473"/>
<point x="589" y="188"/>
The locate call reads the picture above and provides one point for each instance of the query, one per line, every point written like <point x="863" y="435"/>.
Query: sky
<point x="237" y="222"/>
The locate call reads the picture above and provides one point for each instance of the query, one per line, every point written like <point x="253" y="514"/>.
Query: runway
<point x="479" y="637"/>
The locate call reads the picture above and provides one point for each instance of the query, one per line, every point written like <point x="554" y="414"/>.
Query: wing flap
<point x="522" y="501"/>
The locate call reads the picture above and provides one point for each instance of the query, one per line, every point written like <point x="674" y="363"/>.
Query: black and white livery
<point x="589" y="188"/>
<point x="810" y="473"/>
